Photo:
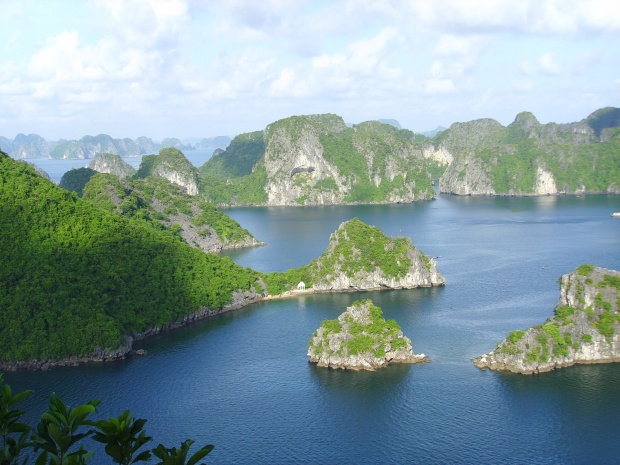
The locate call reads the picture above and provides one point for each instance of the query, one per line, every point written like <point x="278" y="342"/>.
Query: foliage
<point x="75" y="179"/>
<point x="239" y="158"/>
<point x="57" y="433"/>
<point x="377" y="336"/>
<point x="515" y="336"/>
<point x="585" y="270"/>
<point x="79" y="278"/>
<point x="361" y="155"/>
<point x="59" y="436"/>
<point x="174" y="456"/>
<point x="359" y="247"/>
<point x="510" y="156"/>
<point x="156" y="200"/>
<point x="168" y="158"/>
<point x="14" y="433"/>
<point x="123" y="437"/>
<point x="611" y="281"/>
<point x="279" y="282"/>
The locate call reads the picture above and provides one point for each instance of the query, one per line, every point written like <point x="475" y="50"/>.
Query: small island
<point x="361" y="339"/>
<point x="585" y="328"/>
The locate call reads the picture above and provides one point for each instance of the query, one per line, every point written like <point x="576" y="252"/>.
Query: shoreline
<point x="126" y="350"/>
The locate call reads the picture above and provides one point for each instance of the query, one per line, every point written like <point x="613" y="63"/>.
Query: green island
<point x="318" y="160"/>
<point x="584" y="328"/>
<point x="361" y="339"/>
<point x="86" y="276"/>
<point x="530" y="158"/>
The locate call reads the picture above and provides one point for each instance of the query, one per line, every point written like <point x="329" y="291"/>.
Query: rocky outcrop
<point x="528" y="158"/>
<point x="361" y="339"/>
<point x="113" y="164"/>
<point x="172" y="165"/>
<point x="360" y="257"/>
<point x="319" y="160"/>
<point x="585" y="328"/>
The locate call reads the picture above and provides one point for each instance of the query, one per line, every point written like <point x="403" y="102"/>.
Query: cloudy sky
<point x="202" y="68"/>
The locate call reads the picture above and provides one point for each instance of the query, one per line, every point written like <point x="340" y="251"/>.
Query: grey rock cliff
<point x="585" y="328"/>
<point x="350" y="262"/>
<point x="113" y="164"/>
<point x="360" y="339"/>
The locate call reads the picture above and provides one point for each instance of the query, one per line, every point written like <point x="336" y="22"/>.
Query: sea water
<point x="242" y="380"/>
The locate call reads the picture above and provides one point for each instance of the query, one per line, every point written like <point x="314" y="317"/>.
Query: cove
<point x="242" y="381"/>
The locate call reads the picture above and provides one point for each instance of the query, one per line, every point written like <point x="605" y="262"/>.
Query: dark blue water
<point x="242" y="381"/>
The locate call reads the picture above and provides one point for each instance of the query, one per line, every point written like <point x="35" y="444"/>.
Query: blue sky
<point x="202" y="68"/>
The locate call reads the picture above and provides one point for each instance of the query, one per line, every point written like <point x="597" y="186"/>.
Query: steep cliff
<point x="318" y="160"/>
<point x="172" y="165"/>
<point x="361" y="339"/>
<point x="529" y="158"/>
<point x="113" y="164"/>
<point x="585" y="328"/>
<point x="361" y="257"/>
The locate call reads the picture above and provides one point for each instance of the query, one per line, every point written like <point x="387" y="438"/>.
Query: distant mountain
<point x="391" y="122"/>
<point x="433" y="132"/>
<point x="213" y="143"/>
<point x="35" y="146"/>
<point x="530" y="158"/>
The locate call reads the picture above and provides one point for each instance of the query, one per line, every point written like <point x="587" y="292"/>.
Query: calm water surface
<point x="242" y="380"/>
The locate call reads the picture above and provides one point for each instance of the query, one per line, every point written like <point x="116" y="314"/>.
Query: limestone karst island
<point x="585" y="328"/>
<point x="361" y="339"/>
<point x="117" y="260"/>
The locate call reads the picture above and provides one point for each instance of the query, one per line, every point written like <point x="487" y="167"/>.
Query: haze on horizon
<point x="192" y="68"/>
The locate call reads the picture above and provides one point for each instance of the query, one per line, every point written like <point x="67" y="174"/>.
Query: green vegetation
<point x="510" y="156"/>
<point x="78" y="278"/>
<point x="610" y="281"/>
<point x="361" y="154"/>
<point x="564" y="333"/>
<point x="59" y="437"/>
<point x="585" y="270"/>
<point x="239" y="157"/>
<point x="515" y="336"/>
<point x="75" y="179"/>
<point x="169" y="158"/>
<point x="156" y="201"/>
<point x="358" y="247"/>
<point x="377" y="336"/>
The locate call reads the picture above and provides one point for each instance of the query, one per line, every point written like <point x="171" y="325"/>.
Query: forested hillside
<point x="530" y="158"/>
<point x="318" y="160"/>
<point x="75" y="278"/>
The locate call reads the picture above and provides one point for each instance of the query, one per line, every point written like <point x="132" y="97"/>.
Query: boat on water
<point x="615" y="214"/>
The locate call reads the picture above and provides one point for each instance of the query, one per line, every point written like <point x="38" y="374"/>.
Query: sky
<point x="204" y="68"/>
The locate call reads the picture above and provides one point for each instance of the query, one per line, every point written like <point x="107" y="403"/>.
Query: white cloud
<point x="548" y="64"/>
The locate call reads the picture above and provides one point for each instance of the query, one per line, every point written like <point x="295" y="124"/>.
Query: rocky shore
<point x="585" y="328"/>
<point x="361" y="339"/>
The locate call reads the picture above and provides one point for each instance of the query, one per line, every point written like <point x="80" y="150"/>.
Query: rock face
<point x="585" y="328"/>
<point x="529" y="158"/>
<point x="318" y="160"/>
<point x="361" y="257"/>
<point x="113" y="164"/>
<point x="361" y="339"/>
<point x="172" y="165"/>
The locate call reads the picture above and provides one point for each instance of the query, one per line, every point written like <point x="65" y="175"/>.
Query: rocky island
<point x="361" y="339"/>
<point x="585" y="328"/>
<point x="360" y="257"/>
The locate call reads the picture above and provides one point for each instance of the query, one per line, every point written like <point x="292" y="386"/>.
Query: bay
<point x="242" y="381"/>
